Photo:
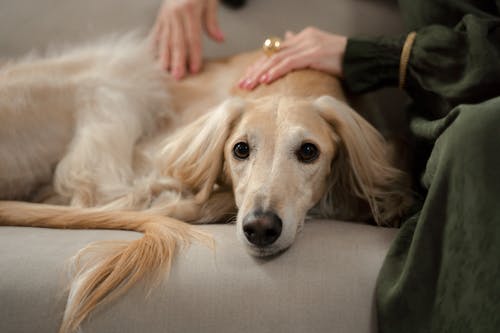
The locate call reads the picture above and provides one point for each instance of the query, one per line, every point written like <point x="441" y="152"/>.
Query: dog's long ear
<point x="194" y="155"/>
<point x="362" y="172"/>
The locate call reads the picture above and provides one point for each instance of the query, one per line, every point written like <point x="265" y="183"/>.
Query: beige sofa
<point x="324" y="283"/>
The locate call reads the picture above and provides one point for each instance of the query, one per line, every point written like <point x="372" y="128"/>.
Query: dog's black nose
<point x="262" y="228"/>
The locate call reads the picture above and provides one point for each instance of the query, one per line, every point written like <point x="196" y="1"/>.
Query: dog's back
<point x="113" y="85"/>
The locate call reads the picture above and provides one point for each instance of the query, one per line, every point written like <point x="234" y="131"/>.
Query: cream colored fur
<point x="103" y="131"/>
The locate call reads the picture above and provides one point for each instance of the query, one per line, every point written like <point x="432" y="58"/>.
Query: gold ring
<point x="271" y="45"/>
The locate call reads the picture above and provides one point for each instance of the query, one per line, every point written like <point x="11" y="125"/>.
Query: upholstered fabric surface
<point x="324" y="283"/>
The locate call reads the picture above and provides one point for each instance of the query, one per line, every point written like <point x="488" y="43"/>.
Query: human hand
<point x="178" y="30"/>
<point x="311" y="48"/>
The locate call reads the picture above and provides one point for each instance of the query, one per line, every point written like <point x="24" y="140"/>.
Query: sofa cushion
<point x="323" y="283"/>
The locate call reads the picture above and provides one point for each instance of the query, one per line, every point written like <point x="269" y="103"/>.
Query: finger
<point x="297" y="61"/>
<point x="291" y="40"/>
<point x="253" y="67"/>
<point x="289" y="35"/>
<point x="154" y="39"/>
<point x="260" y="74"/>
<point x="252" y="80"/>
<point x="164" y="43"/>
<point x="193" y="29"/>
<point x="211" y="21"/>
<point x="252" y="70"/>
<point x="177" y="48"/>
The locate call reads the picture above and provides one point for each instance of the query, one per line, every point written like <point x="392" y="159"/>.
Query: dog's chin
<point x="267" y="252"/>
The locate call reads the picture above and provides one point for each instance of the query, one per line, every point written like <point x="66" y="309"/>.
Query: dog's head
<point x="285" y="157"/>
<point x="278" y="158"/>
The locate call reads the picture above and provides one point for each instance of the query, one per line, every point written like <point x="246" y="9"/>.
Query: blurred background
<point x="34" y="25"/>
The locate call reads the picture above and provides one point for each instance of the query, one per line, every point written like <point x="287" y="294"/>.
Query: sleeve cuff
<point x="370" y="63"/>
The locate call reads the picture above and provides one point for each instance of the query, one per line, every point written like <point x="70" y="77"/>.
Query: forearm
<point x="460" y="65"/>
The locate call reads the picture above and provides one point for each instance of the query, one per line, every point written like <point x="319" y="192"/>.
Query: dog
<point x="99" y="136"/>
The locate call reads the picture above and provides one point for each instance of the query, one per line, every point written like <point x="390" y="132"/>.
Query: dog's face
<point x="278" y="157"/>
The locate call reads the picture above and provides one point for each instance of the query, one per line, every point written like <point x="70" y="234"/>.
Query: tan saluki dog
<point x="99" y="137"/>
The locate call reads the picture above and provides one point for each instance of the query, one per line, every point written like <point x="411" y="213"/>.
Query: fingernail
<point x="176" y="73"/>
<point x="244" y="83"/>
<point x="220" y="35"/>
<point x="248" y="84"/>
<point x="195" y="69"/>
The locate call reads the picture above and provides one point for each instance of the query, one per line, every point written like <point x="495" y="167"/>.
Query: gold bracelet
<point x="405" y="57"/>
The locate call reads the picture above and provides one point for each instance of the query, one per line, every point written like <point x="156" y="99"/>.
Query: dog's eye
<point x="307" y="153"/>
<point x="241" y="150"/>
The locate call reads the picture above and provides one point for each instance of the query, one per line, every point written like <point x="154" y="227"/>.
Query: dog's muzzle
<point x="262" y="228"/>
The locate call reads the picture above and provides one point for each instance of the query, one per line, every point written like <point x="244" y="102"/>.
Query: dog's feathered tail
<point x="107" y="269"/>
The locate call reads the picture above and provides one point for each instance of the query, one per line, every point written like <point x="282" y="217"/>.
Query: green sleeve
<point x="456" y="65"/>
<point x="371" y="63"/>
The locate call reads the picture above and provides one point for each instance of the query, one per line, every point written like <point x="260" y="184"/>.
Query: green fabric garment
<point x="449" y="64"/>
<point x="442" y="273"/>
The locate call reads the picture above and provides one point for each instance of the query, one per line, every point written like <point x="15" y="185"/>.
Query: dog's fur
<point x="103" y="130"/>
